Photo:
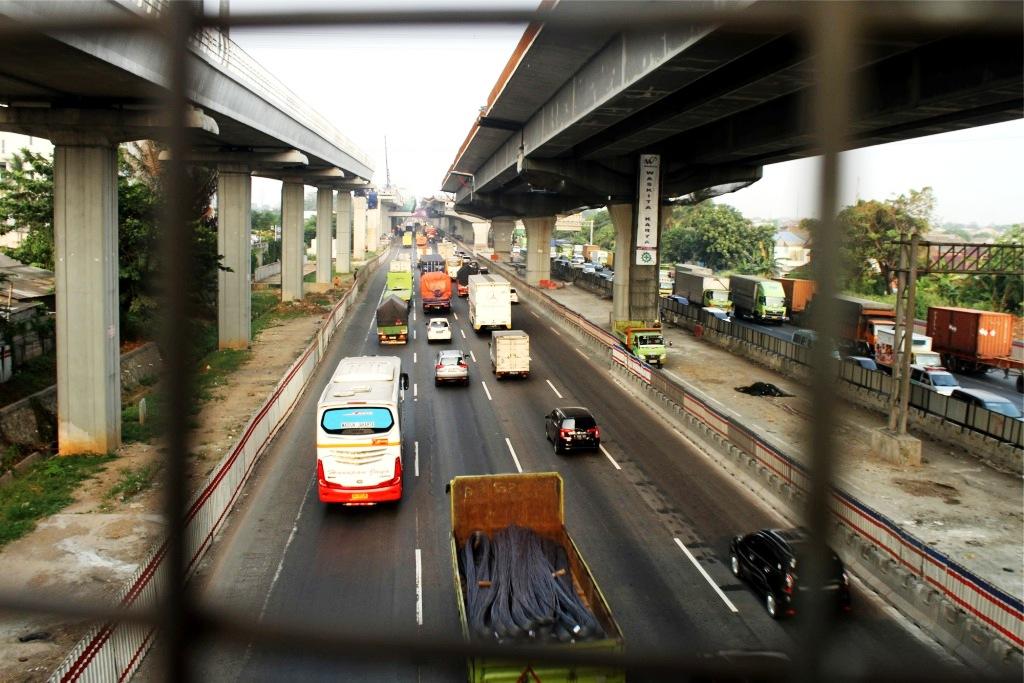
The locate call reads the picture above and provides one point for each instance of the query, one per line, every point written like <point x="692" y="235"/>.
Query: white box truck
<point x="490" y="302"/>
<point x="510" y="353"/>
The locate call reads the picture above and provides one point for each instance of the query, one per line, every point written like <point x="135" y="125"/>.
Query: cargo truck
<point x="798" y="294"/>
<point x="399" y="280"/>
<point x="484" y="506"/>
<point x="885" y="349"/>
<point x="858" y="320"/>
<point x="490" y="302"/>
<point x="510" y="353"/>
<point x="972" y="341"/>
<point x="702" y="288"/>
<point x="759" y="298"/>
<point x="462" y="276"/>
<point x="392" y="320"/>
<point x="643" y="339"/>
<point x="407" y="239"/>
<point x="436" y="292"/>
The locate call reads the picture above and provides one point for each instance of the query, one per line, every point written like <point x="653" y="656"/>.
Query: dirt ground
<point x="88" y="551"/>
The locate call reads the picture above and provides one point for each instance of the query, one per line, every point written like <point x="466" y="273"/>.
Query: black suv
<point x="571" y="428"/>
<point x="769" y="561"/>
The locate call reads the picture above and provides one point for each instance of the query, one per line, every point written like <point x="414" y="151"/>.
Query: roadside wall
<point x="970" y="616"/>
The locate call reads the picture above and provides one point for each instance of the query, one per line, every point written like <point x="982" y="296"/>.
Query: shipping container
<point x="798" y="293"/>
<point x="982" y="334"/>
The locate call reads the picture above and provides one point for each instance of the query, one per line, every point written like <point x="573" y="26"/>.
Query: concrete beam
<point x="292" y="243"/>
<point x="538" y="255"/>
<point x="234" y="227"/>
<point x="324" y="216"/>
<point x="258" y="159"/>
<point x="343" y="256"/>
<point x="102" y="125"/>
<point x="86" y="275"/>
<point x="622" y="219"/>
<point x="358" y="228"/>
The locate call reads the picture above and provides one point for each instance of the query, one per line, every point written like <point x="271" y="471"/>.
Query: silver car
<point x="451" y="366"/>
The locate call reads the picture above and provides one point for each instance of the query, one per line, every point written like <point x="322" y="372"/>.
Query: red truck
<point x="798" y="293"/>
<point x="436" y="291"/>
<point x="972" y="342"/>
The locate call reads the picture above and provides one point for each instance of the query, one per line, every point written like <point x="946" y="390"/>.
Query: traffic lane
<point x="716" y="506"/>
<point x="995" y="382"/>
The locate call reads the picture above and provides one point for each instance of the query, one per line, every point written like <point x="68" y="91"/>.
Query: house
<point x="791" y="251"/>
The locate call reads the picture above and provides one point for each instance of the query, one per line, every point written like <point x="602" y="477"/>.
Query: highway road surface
<point x="632" y="507"/>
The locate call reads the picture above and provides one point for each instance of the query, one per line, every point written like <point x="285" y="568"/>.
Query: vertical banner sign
<point x="648" y="207"/>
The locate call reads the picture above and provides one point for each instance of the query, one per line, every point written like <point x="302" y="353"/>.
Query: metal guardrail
<point x="968" y="591"/>
<point x="975" y="418"/>
<point x="113" y="651"/>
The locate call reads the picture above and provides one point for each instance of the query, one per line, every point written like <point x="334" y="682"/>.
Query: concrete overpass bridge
<point x="638" y="120"/>
<point x="89" y="91"/>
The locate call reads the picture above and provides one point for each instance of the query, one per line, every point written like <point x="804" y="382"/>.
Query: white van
<point x="359" y="433"/>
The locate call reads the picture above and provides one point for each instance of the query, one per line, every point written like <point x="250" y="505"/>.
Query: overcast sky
<point x="422" y="89"/>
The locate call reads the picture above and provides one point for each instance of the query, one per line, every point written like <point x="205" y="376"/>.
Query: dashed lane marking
<point x="519" y="468"/>
<point x="472" y="356"/>
<point x="486" y="391"/>
<point x="416" y="458"/>
<point x="725" y="599"/>
<point x="553" y="389"/>
<point x="419" y="588"/>
<point x="609" y="456"/>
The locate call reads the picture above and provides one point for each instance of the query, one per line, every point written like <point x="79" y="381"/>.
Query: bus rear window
<point x="354" y="421"/>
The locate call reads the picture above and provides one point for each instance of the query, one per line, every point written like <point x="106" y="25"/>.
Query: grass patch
<point x="34" y="375"/>
<point x="214" y="370"/>
<point x="131" y="483"/>
<point x="46" y="488"/>
<point x="132" y="431"/>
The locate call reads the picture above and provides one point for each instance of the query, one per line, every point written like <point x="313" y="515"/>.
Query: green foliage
<point x="309" y="230"/>
<point x="265" y="220"/>
<point x="132" y="482"/>
<point x="46" y="488"/>
<point x="26" y="203"/>
<point x="718" y="236"/>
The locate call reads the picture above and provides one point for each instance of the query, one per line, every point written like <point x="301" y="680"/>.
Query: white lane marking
<point x="419" y="588"/>
<point x="416" y="460"/>
<point x="456" y="315"/>
<point x="582" y="354"/>
<point x="519" y="468"/>
<point x="373" y="323"/>
<point x="553" y="388"/>
<point x="414" y="314"/>
<point x="556" y="332"/>
<point x="284" y="553"/>
<point x="609" y="456"/>
<point x="486" y="391"/>
<point x="414" y="334"/>
<point x="415" y="390"/>
<point x="725" y="599"/>
<point x="463" y="333"/>
<point x="472" y="356"/>
<point x="534" y="314"/>
<point x="413" y="356"/>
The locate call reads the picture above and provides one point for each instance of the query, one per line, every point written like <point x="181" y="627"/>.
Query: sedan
<point x="451" y="366"/>
<point x="571" y="429"/>
<point x="863" y="361"/>
<point x="438" y="329"/>
<point x="769" y="560"/>
<point x="513" y="295"/>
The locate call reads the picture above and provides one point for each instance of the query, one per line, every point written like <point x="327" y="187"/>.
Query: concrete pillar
<point x="359" y="228"/>
<point x="292" y="242"/>
<point x="343" y="257"/>
<point x="622" y="219"/>
<point x="234" y="227"/>
<point x="501" y="232"/>
<point x="538" y="255"/>
<point x="373" y="228"/>
<point x="86" y="272"/>
<point x="644" y="298"/>
<point x="480" y="231"/>
<point x="324" y="215"/>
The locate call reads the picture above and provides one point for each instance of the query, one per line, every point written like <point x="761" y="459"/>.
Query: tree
<point x="265" y="220"/>
<point x="26" y="203"/>
<point x="718" y="236"/>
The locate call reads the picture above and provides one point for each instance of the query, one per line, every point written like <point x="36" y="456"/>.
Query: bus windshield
<point x="355" y="421"/>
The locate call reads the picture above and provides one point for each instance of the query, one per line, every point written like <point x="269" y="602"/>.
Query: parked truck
<point x="859" y="320"/>
<point x="760" y="298"/>
<point x="392" y="320"/>
<point x="702" y="287"/>
<point x="886" y="349"/>
<point x="972" y="341"/>
<point x="490" y="302"/>
<point x="436" y="291"/>
<point x="483" y="507"/>
<point x="642" y="338"/>
<point x="798" y="294"/>
<point x="510" y="353"/>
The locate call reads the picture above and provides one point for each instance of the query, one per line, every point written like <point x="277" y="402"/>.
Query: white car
<point x="934" y="378"/>
<point x="513" y="295"/>
<point x="438" y="329"/>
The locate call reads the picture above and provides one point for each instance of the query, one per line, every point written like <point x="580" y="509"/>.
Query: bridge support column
<point x="480" y="231"/>
<point x="373" y="228"/>
<point x="343" y="255"/>
<point x="359" y="228"/>
<point x="622" y="219"/>
<point x="324" y="215"/>
<point x="86" y="272"/>
<point x="644" y="298"/>
<point x="292" y="241"/>
<point x="234" y="227"/>
<point x="501" y="232"/>
<point x="538" y="255"/>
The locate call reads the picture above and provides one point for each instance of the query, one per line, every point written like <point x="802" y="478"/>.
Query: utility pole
<point x="387" y="168"/>
<point x="903" y="335"/>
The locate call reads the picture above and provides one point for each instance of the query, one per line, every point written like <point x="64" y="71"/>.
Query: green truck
<point x="760" y="298"/>
<point x="702" y="287"/>
<point x="643" y="339"/>
<point x="483" y="508"/>
<point x="392" y="320"/>
<point x="400" y="284"/>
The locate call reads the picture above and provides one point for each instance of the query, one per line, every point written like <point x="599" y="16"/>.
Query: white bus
<point x="359" y="433"/>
